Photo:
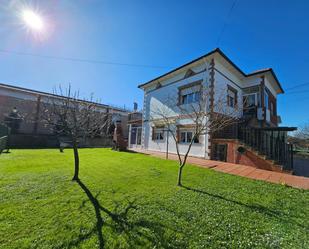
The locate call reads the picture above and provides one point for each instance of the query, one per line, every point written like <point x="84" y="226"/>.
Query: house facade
<point x="254" y="95"/>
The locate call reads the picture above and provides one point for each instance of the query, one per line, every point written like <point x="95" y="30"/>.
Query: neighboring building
<point x="135" y="128"/>
<point x="256" y="95"/>
<point x="24" y="107"/>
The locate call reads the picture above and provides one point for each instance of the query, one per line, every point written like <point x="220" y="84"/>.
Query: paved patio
<point x="240" y="170"/>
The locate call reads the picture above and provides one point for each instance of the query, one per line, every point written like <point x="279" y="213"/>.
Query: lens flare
<point x="32" y="20"/>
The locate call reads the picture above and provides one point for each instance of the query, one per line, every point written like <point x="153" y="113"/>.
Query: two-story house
<point x="256" y="140"/>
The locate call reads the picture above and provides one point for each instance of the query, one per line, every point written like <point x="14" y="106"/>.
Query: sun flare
<point x="33" y="20"/>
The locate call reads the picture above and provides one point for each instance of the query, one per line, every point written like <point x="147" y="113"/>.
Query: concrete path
<point x="240" y="170"/>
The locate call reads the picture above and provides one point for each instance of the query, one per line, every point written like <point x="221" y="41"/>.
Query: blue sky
<point x="163" y="34"/>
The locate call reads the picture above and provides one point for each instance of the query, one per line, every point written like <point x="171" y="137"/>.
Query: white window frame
<point x="187" y="141"/>
<point x="231" y="98"/>
<point x="158" y="134"/>
<point x="190" y="94"/>
<point x="195" y="97"/>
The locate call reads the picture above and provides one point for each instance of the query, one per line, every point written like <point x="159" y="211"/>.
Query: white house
<point x="255" y="94"/>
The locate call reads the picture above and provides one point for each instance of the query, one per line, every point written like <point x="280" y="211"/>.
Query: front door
<point x="220" y="152"/>
<point x="136" y="137"/>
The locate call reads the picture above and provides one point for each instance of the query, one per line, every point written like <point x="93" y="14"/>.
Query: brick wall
<point x="248" y="157"/>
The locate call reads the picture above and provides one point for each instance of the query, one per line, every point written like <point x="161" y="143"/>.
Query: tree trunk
<point x="76" y="160"/>
<point x="180" y="175"/>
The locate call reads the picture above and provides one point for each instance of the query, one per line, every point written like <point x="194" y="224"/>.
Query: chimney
<point x="135" y="106"/>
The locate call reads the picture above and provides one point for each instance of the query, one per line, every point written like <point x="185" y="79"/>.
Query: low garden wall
<point x="28" y="141"/>
<point x="3" y="143"/>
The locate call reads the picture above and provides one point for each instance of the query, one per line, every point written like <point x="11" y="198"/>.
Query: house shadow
<point x="136" y="232"/>
<point x="279" y="215"/>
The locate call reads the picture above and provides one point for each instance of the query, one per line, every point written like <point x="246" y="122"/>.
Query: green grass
<point x="128" y="200"/>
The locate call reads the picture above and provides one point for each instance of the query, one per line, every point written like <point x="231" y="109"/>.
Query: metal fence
<point x="272" y="144"/>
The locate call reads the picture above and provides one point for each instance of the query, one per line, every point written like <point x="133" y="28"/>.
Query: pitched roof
<point x="219" y="51"/>
<point x="265" y="71"/>
<point x="57" y="96"/>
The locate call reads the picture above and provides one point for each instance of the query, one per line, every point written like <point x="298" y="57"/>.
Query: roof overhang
<point x="219" y="53"/>
<point x="52" y="95"/>
<point x="271" y="73"/>
<point x="183" y="67"/>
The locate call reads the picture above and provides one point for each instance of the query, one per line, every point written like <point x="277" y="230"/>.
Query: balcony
<point x="135" y="117"/>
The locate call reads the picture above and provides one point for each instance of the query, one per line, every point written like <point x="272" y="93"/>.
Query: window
<point x="231" y="97"/>
<point x="186" y="137"/>
<point x="190" y="93"/>
<point x="158" y="134"/>
<point x="249" y="100"/>
<point x="190" y="98"/>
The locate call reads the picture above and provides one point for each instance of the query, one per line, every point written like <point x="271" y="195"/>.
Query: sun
<point x="32" y="20"/>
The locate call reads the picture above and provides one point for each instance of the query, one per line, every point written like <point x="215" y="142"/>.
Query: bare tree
<point x="76" y="119"/>
<point x="301" y="137"/>
<point x="304" y="132"/>
<point x="206" y="114"/>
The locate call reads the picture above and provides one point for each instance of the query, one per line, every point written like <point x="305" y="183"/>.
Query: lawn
<point x="129" y="200"/>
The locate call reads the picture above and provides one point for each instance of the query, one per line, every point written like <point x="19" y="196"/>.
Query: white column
<point x="129" y="136"/>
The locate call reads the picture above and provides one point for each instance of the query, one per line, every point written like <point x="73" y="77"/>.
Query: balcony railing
<point x="271" y="143"/>
<point x="135" y="116"/>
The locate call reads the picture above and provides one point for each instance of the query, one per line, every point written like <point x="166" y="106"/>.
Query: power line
<point x="82" y="60"/>
<point x="226" y="22"/>
<point x="300" y="91"/>
<point x="296" y="86"/>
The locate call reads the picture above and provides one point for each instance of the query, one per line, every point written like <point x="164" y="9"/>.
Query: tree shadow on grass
<point x="137" y="232"/>
<point x="254" y="207"/>
<point x="96" y="206"/>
